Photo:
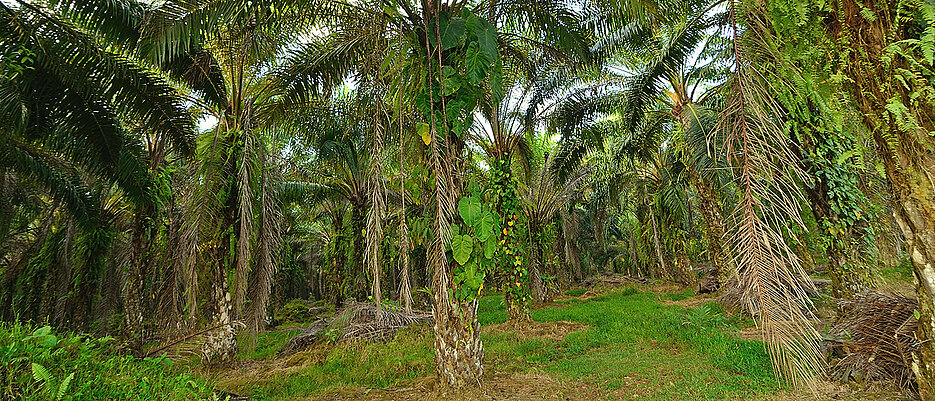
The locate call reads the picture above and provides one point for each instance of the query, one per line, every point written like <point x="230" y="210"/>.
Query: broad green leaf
<point x="490" y="246"/>
<point x="483" y="227"/>
<point x="496" y="85"/>
<point x="469" y="209"/>
<point x="487" y="40"/>
<point x="476" y="64"/>
<point x="48" y="341"/>
<point x="447" y="71"/>
<point x="451" y="31"/>
<point x="461" y="248"/>
<point x="458" y="128"/>
<point x="451" y="84"/>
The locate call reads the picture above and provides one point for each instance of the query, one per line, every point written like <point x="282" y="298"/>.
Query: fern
<point x="63" y="386"/>
<point x="40" y="373"/>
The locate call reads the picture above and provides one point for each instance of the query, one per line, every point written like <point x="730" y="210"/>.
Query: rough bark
<point x="907" y="150"/>
<point x="558" y="254"/>
<point x="336" y="295"/>
<point x="221" y="344"/>
<point x="570" y="236"/>
<point x="133" y="292"/>
<point x="663" y="270"/>
<point x="405" y="284"/>
<point x="358" y="289"/>
<point x="714" y="228"/>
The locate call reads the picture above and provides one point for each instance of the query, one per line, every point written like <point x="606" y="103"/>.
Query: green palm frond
<point x="115" y="21"/>
<point x="62" y="181"/>
<point x="76" y="60"/>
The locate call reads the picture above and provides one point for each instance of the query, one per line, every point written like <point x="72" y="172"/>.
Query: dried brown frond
<point x="772" y="282"/>
<point x="356" y="321"/>
<point x="268" y="242"/>
<point x="876" y="334"/>
<point x="375" y="216"/>
<point x="245" y="197"/>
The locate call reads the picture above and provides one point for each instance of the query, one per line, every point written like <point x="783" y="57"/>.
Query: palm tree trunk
<point x="459" y="352"/>
<point x="570" y="234"/>
<point x="663" y="270"/>
<point x="535" y="260"/>
<point x="357" y="224"/>
<point x="711" y="212"/>
<point x="221" y="344"/>
<point x="338" y="260"/>
<point x="405" y="285"/>
<point x="374" y="235"/>
<point x="906" y="149"/>
<point x="132" y="298"/>
<point x="599" y="217"/>
<point x="849" y="274"/>
<point x="558" y="252"/>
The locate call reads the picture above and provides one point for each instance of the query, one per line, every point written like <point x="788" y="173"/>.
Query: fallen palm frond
<point x="190" y="343"/>
<point x="356" y="321"/>
<point x="773" y="287"/>
<point x="875" y="334"/>
<point x="615" y="280"/>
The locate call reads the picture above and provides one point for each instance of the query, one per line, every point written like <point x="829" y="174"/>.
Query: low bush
<point x="38" y="364"/>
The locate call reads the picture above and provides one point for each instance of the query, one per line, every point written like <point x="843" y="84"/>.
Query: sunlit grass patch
<point x="407" y="356"/>
<point x="621" y="343"/>
<point x="264" y="345"/>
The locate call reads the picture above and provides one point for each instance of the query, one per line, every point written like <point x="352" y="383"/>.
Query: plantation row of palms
<point x="177" y="166"/>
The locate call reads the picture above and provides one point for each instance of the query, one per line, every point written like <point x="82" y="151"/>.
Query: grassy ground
<point x="41" y="364"/>
<point x="624" y="344"/>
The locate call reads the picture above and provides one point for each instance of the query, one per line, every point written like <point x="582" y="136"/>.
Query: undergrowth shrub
<point x="296" y="311"/>
<point x="38" y="364"/>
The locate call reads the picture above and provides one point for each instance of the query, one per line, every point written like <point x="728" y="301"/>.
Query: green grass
<point x="634" y="344"/>
<point x="899" y="273"/>
<point x="679" y="296"/>
<point x="408" y="356"/>
<point x="39" y="364"/>
<point x="264" y="345"/>
<point x="576" y="292"/>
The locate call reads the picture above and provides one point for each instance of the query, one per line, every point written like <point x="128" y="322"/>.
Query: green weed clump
<point x="264" y="345"/>
<point x="38" y="364"/>
<point x="296" y="311"/>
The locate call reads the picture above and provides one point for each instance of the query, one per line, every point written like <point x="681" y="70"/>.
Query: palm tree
<point x="83" y="101"/>
<point x="665" y="82"/>
<point x="412" y="37"/>
<point x="544" y="198"/>
<point x="230" y="47"/>
<point x="901" y="124"/>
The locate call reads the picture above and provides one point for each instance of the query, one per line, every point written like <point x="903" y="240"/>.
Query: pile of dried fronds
<point x="875" y="338"/>
<point x="364" y="321"/>
<point x="615" y="280"/>
<point x="356" y="321"/>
